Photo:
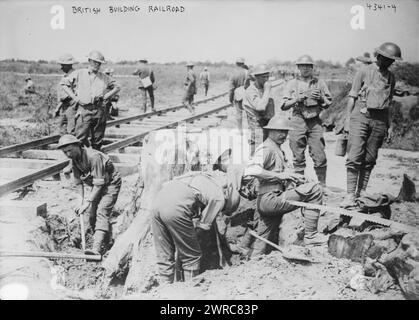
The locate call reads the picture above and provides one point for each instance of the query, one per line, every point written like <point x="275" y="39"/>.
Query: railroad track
<point x="22" y="164"/>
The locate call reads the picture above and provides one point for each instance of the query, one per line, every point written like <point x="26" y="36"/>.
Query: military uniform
<point x="238" y="80"/>
<point x="91" y="114"/>
<point x="95" y="168"/>
<point x="204" y="77"/>
<point x="190" y="90"/>
<point x="307" y="123"/>
<point x="143" y="72"/>
<point x="197" y="195"/>
<point x="369" y="121"/>
<point x="256" y="119"/>
<point x="68" y="108"/>
<point x="271" y="203"/>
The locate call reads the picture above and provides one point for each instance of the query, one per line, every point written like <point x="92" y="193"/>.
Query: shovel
<point x="82" y="231"/>
<point x="287" y="253"/>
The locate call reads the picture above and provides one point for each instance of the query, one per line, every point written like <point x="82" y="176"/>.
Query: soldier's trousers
<point x="272" y="207"/>
<point x="206" y="86"/>
<point x="366" y="135"/>
<point x="68" y="120"/>
<point x="309" y="131"/>
<point x="257" y="134"/>
<point x="173" y="228"/>
<point x="188" y="99"/>
<point x="150" y="92"/>
<point x="101" y="209"/>
<point x="93" y="126"/>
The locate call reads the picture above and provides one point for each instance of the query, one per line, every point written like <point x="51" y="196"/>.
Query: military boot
<point x="98" y="241"/>
<point x="364" y="177"/>
<point x="311" y="236"/>
<point x="351" y="184"/>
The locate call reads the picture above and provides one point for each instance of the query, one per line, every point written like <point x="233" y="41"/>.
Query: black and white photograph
<point x="232" y="151"/>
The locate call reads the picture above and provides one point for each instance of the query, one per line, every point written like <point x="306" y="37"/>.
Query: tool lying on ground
<point x="286" y="252"/>
<point x="356" y="214"/>
<point x="53" y="255"/>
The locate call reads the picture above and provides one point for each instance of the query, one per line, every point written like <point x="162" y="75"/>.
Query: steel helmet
<point x="260" y="69"/>
<point x="279" y="123"/>
<point x="67" y="59"/>
<point x="108" y="70"/>
<point x="305" y="59"/>
<point x="389" y="50"/>
<point x="190" y="64"/>
<point x="240" y="60"/>
<point x="143" y="60"/>
<point x="96" y="56"/>
<point x="205" y="68"/>
<point x="28" y="78"/>
<point x="67" y="139"/>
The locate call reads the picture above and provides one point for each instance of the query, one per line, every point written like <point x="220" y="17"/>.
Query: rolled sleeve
<point x="327" y="96"/>
<point x="98" y="171"/>
<point x="259" y="158"/>
<point x="252" y="98"/>
<point x="287" y="94"/>
<point x="213" y="208"/>
<point x="357" y="83"/>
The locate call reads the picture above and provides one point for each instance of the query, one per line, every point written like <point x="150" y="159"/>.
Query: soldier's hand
<point x="56" y="113"/>
<point x="315" y="94"/>
<point x="83" y="207"/>
<point x="267" y="85"/>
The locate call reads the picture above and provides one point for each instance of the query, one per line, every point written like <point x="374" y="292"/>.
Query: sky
<point x="217" y="30"/>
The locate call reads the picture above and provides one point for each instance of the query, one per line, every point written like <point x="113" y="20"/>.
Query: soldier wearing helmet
<point x="258" y="104"/>
<point x="307" y="96"/>
<point x="204" y="78"/>
<point x="369" y="119"/>
<point x="67" y="107"/>
<point x="190" y="88"/>
<point x="30" y="87"/>
<point x="146" y="85"/>
<point x="277" y="184"/>
<point x="95" y="169"/>
<point x="236" y="89"/>
<point x="91" y="90"/>
<point x="195" y="195"/>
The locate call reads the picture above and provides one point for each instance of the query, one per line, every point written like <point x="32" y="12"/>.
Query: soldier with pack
<point x="369" y="118"/>
<point x="307" y="95"/>
<point x="91" y="90"/>
<point x="258" y="104"/>
<point x="204" y="78"/>
<point x="67" y="107"/>
<point x="190" y="88"/>
<point x="236" y="90"/>
<point x="147" y="83"/>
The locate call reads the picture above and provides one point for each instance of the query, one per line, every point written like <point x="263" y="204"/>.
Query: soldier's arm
<point x="258" y="103"/>
<point x="152" y="76"/>
<point x="114" y="86"/>
<point x="288" y="101"/>
<point x="210" y="212"/>
<point x="353" y="94"/>
<point x="231" y="89"/>
<point x="79" y="184"/>
<point x="326" y="97"/>
<point x="67" y="85"/>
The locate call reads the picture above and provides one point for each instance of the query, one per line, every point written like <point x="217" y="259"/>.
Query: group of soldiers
<point x="185" y="208"/>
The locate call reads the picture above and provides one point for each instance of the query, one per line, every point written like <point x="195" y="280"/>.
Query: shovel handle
<point x="83" y="236"/>
<point x="266" y="241"/>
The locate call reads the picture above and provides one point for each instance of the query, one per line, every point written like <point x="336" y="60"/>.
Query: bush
<point x="407" y="72"/>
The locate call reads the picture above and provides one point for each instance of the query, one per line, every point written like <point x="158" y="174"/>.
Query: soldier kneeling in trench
<point x="200" y="195"/>
<point x="95" y="169"/>
<point x="269" y="166"/>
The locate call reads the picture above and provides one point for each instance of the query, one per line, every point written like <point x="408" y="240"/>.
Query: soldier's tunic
<point x="204" y="78"/>
<point x="68" y="108"/>
<point x="95" y="168"/>
<point x="271" y="203"/>
<point x="143" y="72"/>
<point x="369" y="119"/>
<point x="190" y="88"/>
<point x="195" y="195"/>
<point x="306" y="121"/>
<point x="91" y="114"/>
<point x="238" y="80"/>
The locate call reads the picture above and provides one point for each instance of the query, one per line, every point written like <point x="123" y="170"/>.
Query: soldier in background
<point x="91" y="89"/>
<point x="67" y="107"/>
<point x="190" y="88"/>
<point x="307" y="96"/>
<point x="204" y="78"/>
<point x="236" y="89"/>
<point x="369" y="118"/>
<point x="110" y="107"/>
<point x="146" y="84"/>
